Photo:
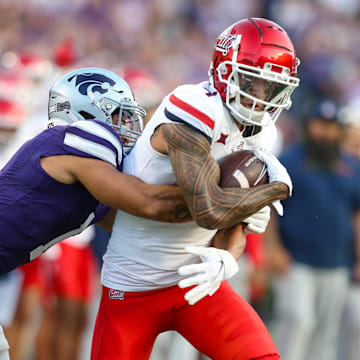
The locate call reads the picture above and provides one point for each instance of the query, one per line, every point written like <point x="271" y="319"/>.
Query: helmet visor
<point x="258" y="93"/>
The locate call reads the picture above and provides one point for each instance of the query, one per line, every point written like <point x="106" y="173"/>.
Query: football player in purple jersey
<point x="69" y="176"/>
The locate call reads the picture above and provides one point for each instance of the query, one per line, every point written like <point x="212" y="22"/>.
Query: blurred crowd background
<point x="156" y="45"/>
<point x="172" y="41"/>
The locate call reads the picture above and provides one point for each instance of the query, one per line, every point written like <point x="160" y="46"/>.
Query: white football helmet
<point x="99" y="94"/>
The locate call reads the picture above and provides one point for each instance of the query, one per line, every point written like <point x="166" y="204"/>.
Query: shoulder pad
<point x="189" y="104"/>
<point x="95" y="139"/>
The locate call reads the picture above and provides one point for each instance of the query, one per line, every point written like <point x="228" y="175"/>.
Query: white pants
<point x="349" y="338"/>
<point x="308" y="307"/>
<point x="4" y="346"/>
<point x="10" y="289"/>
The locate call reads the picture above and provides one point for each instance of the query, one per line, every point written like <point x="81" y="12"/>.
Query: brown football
<point x="242" y="169"/>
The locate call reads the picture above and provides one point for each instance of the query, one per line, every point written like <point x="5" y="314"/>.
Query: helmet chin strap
<point x="235" y="47"/>
<point x="243" y="115"/>
<point x="211" y="73"/>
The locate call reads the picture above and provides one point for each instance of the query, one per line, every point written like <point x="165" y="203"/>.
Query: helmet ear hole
<point x="86" y="115"/>
<point x="222" y="69"/>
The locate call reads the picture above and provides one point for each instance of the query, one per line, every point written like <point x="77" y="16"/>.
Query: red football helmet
<point x="254" y="70"/>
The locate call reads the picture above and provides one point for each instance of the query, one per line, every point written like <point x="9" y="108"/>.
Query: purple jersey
<point x="37" y="211"/>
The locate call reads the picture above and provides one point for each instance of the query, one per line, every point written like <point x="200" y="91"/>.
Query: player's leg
<point x="4" y="346"/>
<point x="21" y="334"/>
<point x="71" y="316"/>
<point x="161" y="347"/>
<point x="240" y="283"/>
<point x="48" y="330"/>
<point x="10" y="288"/>
<point x="349" y="344"/>
<point x="10" y="291"/>
<point x="127" y="325"/>
<point x="332" y="286"/>
<point x="224" y="326"/>
<point x="295" y="297"/>
<point x="75" y="277"/>
<point x="4" y="354"/>
<point x="179" y="345"/>
<point x="170" y="345"/>
<point x="45" y="344"/>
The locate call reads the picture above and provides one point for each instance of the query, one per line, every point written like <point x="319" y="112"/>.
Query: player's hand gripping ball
<point x="243" y="169"/>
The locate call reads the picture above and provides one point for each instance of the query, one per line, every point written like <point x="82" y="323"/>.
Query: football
<point x="242" y="169"/>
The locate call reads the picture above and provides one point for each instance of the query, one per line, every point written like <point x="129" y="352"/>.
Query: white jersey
<point x="145" y="254"/>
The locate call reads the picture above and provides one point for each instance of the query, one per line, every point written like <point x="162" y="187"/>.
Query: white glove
<point x="275" y="170"/>
<point x="217" y="265"/>
<point x="202" y="290"/>
<point x="257" y="223"/>
<point x="278" y="207"/>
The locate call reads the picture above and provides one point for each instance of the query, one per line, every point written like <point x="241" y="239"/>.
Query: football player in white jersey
<point x="148" y="265"/>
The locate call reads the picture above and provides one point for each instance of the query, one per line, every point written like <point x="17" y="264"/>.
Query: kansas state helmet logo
<point x="83" y="82"/>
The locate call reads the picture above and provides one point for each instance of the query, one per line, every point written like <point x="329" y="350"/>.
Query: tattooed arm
<point x="198" y="174"/>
